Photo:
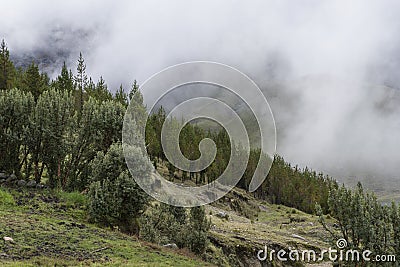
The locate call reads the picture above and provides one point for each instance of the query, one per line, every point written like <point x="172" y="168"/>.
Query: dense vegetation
<point x="67" y="132"/>
<point x="364" y="222"/>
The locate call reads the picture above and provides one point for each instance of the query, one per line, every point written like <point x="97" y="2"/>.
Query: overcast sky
<point x="330" y="57"/>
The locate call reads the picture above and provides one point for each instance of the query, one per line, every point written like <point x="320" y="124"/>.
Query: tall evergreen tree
<point x="33" y="81"/>
<point x="121" y="97"/>
<point x="81" y="81"/>
<point x="134" y="90"/>
<point x="7" y="70"/>
<point x="136" y="105"/>
<point x="100" y="90"/>
<point x="65" y="81"/>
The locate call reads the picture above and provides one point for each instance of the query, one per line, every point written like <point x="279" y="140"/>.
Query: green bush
<point x="6" y="199"/>
<point x="164" y="224"/>
<point x="198" y="229"/>
<point x="114" y="197"/>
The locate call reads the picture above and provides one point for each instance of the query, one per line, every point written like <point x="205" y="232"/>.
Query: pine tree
<point x="7" y="70"/>
<point x="81" y="81"/>
<point x="137" y="108"/>
<point x="33" y="81"/>
<point x="99" y="91"/>
<point x="121" y="97"/>
<point x="65" y="81"/>
<point x="134" y="90"/>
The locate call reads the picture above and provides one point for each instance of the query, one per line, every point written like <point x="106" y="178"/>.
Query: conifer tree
<point x="65" y="81"/>
<point x="33" y="81"/>
<point x="7" y="70"/>
<point x="99" y="91"/>
<point x="121" y="97"/>
<point x="81" y="81"/>
<point x="137" y="106"/>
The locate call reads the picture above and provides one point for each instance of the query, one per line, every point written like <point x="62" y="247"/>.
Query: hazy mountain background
<point x="330" y="69"/>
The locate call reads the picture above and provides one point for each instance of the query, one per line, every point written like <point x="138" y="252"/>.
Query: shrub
<point x="164" y="224"/>
<point x="114" y="197"/>
<point x="199" y="226"/>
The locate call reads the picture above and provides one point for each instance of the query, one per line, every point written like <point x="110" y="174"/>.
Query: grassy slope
<point x="269" y="224"/>
<point x="50" y="231"/>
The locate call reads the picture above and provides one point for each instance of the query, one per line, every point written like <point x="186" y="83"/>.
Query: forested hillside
<point x="63" y="135"/>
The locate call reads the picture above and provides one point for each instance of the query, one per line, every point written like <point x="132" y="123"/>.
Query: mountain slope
<point x="50" y="229"/>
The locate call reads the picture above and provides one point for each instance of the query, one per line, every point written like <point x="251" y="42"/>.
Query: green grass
<point x="50" y="229"/>
<point x="6" y="199"/>
<point x="73" y="199"/>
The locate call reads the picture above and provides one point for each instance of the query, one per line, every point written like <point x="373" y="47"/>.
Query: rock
<point x="40" y="186"/>
<point x="21" y="183"/>
<point x="8" y="239"/>
<point x="31" y="184"/>
<point x="3" y="176"/>
<point x="172" y="246"/>
<point x="11" y="179"/>
<point x="222" y="215"/>
<point x="298" y="237"/>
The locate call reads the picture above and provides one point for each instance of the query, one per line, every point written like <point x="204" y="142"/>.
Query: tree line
<point x="285" y="184"/>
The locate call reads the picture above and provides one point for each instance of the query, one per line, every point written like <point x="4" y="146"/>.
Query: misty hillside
<point x="306" y="104"/>
<point x="64" y="166"/>
<point x="58" y="44"/>
<point x="200" y="133"/>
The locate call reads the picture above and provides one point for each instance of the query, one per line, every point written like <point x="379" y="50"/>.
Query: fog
<point x="330" y="69"/>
